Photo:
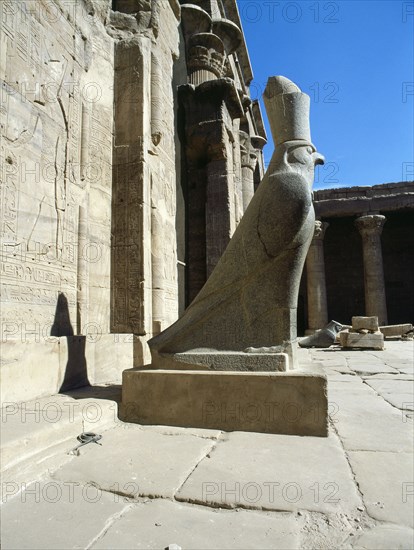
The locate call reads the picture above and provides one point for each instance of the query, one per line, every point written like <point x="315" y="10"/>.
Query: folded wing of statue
<point x="250" y="299"/>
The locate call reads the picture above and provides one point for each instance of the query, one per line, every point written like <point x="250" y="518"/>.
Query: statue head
<point x="300" y="157"/>
<point x="288" y="112"/>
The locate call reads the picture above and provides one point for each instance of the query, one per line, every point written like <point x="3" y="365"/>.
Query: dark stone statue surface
<point x="250" y="299"/>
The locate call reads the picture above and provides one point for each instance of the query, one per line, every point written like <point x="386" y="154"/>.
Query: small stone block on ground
<point x="396" y="330"/>
<point x="230" y="401"/>
<point x="366" y="341"/>
<point x="367" y="323"/>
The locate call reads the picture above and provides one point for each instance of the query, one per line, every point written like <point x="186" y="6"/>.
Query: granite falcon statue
<point x="250" y="299"/>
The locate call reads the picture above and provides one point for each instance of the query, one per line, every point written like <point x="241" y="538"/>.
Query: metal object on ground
<point x="85" y="438"/>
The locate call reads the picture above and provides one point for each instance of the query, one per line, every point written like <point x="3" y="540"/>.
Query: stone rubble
<point x="364" y="333"/>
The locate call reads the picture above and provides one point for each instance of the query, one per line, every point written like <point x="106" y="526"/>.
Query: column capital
<point x="247" y="151"/>
<point x="319" y="233"/>
<point x="206" y="58"/>
<point x="370" y="225"/>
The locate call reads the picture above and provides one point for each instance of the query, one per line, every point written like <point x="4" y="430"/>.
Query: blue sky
<point x="355" y="60"/>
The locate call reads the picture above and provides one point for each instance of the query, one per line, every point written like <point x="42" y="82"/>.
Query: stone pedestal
<point x="292" y="403"/>
<point x="225" y="361"/>
<point x="315" y="271"/>
<point x="370" y="228"/>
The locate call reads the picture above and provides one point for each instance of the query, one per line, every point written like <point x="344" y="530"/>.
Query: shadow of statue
<point x="61" y="323"/>
<point x="76" y="371"/>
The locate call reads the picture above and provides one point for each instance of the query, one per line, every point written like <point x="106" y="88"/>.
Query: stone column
<point x="370" y="228"/>
<point x="316" y="285"/>
<point x="131" y="307"/>
<point x="218" y="214"/>
<point x="157" y="122"/>
<point x="157" y="271"/>
<point x="248" y="164"/>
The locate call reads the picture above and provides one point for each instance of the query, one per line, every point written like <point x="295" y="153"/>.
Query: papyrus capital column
<point x="205" y="58"/>
<point x="370" y="229"/>
<point x="248" y="156"/>
<point x="316" y="284"/>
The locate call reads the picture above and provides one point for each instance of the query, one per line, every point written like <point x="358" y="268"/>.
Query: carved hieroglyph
<point x="56" y="154"/>
<point x="250" y="299"/>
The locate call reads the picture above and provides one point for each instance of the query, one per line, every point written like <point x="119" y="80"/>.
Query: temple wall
<point x="57" y="155"/>
<point x="97" y="151"/>
<point x="56" y="189"/>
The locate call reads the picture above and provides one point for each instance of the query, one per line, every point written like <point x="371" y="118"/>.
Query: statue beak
<point x="319" y="159"/>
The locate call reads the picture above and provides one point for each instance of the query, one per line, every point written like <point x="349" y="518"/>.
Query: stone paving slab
<point x="55" y="515"/>
<point x="342" y="377"/>
<point x="399" y="355"/>
<point x="27" y="428"/>
<point x="365" y="421"/>
<point x="176" y="430"/>
<point x="336" y="362"/>
<point x="400" y="393"/>
<point x="361" y="367"/>
<point x="359" y="362"/>
<point x="386" y="376"/>
<point x="33" y="469"/>
<point x="230" y="470"/>
<point x="405" y="368"/>
<point x="158" y="523"/>
<point x="402" y="401"/>
<point x="386" y="483"/>
<point x="385" y="537"/>
<point x="274" y="472"/>
<point x="152" y="464"/>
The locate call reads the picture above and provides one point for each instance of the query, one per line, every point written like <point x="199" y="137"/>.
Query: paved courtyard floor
<point x="155" y="486"/>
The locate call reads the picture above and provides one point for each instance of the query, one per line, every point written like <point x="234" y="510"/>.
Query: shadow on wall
<point x="76" y="372"/>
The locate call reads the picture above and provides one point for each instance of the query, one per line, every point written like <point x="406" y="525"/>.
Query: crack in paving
<point x="211" y="437"/>
<point x="150" y="429"/>
<point x="359" y="490"/>
<point x="217" y="507"/>
<point x="383" y="398"/>
<point x="207" y="454"/>
<point x="108" y="524"/>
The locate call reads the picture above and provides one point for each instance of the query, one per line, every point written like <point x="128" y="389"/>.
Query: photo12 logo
<point x="253" y="11"/>
<point x="68" y="491"/>
<point x="269" y="492"/>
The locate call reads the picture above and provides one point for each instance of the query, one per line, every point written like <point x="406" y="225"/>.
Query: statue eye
<point x="309" y="150"/>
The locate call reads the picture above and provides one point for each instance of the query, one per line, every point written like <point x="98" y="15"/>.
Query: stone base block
<point x="367" y="341"/>
<point x="36" y="367"/>
<point x="223" y="361"/>
<point x="365" y="323"/>
<point x="396" y="330"/>
<point x="293" y="403"/>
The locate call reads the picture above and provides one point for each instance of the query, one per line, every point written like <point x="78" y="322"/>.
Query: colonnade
<point x="370" y="228"/>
